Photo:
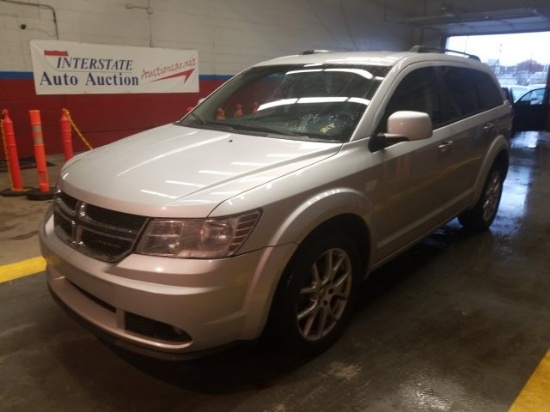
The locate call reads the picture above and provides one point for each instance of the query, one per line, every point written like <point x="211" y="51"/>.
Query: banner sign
<point x="62" y="67"/>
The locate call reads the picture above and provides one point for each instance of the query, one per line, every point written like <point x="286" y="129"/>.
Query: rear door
<point x="470" y="96"/>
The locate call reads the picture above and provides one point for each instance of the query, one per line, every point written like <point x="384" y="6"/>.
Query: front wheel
<point x="482" y="215"/>
<point x="315" y="296"/>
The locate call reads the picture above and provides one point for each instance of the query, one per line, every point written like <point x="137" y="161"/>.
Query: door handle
<point x="488" y="127"/>
<point x="445" y="145"/>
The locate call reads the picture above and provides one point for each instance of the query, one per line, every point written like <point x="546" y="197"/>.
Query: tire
<point x="315" y="296"/>
<point x="481" y="217"/>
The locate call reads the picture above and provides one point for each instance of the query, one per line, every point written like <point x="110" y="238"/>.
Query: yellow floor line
<point x="23" y="268"/>
<point x="535" y="396"/>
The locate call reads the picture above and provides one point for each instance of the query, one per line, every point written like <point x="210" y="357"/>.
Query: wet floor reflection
<point x="530" y="151"/>
<point x="513" y="204"/>
<point x="532" y="148"/>
<point x="523" y="140"/>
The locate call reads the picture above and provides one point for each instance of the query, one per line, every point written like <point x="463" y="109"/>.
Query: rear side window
<point x="488" y="92"/>
<point x="462" y="97"/>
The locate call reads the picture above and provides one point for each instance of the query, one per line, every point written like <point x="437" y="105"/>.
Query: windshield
<point x="297" y="102"/>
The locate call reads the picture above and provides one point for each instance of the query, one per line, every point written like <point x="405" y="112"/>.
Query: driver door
<point x="414" y="174"/>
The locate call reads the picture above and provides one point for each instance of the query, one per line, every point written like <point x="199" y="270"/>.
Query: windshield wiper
<point x="255" y="128"/>
<point x="197" y="118"/>
<point x="263" y="129"/>
<point x="322" y="138"/>
<point x="201" y="123"/>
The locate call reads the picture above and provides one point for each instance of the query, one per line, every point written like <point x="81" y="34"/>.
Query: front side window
<point x="418" y="91"/>
<point x="297" y="102"/>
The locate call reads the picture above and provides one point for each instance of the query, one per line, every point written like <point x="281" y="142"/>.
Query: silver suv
<point x="262" y="209"/>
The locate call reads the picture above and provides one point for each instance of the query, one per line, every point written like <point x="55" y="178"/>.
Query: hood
<point x="174" y="171"/>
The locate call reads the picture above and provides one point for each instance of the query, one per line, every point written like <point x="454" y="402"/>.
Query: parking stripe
<point x="535" y="395"/>
<point x="23" y="268"/>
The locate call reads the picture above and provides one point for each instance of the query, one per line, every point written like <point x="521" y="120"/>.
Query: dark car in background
<point x="531" y="110"/>
<point x="513" y="93"/>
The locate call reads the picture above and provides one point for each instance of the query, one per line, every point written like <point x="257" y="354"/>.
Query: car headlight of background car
<point x="197" y="238"/>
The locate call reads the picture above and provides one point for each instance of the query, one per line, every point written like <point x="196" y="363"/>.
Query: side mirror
<point x="403" y="126"/>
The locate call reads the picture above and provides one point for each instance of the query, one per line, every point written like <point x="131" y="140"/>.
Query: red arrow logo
<point x="184" y="74"/>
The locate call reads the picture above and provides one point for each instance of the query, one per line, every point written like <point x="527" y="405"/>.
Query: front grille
<point x="103" y="234"/>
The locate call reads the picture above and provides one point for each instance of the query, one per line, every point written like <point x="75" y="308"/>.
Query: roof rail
<point x="427" y="49"/>
<point x="303" y="53"/>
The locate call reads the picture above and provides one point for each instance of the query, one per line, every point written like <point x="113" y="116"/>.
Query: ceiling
<point x="461" y="17"/>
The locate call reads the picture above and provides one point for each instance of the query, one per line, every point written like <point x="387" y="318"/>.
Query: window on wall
<point x="519" y="60"/>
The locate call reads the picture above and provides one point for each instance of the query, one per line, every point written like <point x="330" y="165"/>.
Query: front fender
<point x="290" y="233"/>
<point x="318" y="209"/>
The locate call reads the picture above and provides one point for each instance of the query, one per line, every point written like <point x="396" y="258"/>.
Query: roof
<point x="372" y="58"/>
<point x="379" y="58"/>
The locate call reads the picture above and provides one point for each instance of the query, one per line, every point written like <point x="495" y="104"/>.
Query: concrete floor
<point x="459" y="323"/>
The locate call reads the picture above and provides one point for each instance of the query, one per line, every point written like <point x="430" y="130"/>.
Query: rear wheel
<point x="315" y="295"/>
<point x="482" y="215"/>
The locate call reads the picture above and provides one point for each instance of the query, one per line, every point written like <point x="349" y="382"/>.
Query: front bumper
<point x="165" y="307"/>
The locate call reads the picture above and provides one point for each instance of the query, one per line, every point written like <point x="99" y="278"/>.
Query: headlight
<point x="197" y="238"/>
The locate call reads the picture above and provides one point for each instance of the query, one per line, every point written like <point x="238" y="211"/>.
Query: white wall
<point x="228" y="34"/>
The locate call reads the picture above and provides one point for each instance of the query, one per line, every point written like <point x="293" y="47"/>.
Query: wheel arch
<point x="348" y="224"/>
<point x="498" y="153"/>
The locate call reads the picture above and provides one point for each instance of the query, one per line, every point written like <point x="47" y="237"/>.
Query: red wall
<point x="101" y="118"/>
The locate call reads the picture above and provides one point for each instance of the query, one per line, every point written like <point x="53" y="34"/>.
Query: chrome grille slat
<point x="103" y="228"/>
<point x="64" y="208"/>
<point x="103" y="234"/>
<point x="107" y="231"/>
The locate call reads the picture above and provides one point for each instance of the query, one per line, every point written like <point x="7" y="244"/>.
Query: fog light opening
<point x="154" y="329"/>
